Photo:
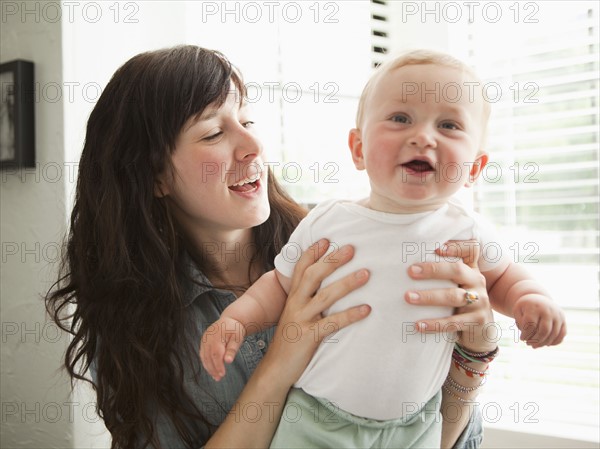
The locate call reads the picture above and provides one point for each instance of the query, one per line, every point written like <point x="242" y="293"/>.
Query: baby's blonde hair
<point x="417" y="57"/>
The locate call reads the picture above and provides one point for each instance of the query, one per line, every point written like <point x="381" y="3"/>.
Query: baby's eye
<point x="400" y="119"/>
<point x="247" y="124"/>
<point x="449" y="125"/>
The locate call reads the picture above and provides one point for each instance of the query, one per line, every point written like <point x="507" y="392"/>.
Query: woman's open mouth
<point x="247" y="184"/>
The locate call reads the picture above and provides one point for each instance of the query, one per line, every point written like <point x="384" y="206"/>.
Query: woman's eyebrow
<point x="206" y="115"/>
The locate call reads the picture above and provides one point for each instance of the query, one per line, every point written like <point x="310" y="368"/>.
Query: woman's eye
<point x="213" y="136"/>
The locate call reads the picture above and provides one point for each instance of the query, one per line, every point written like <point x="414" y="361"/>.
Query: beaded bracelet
<point x="455" y="396"/>
<point x="458" y="387"/>
<point x="469" y="371"/>
<point x="483" y="357"/>
<point x="459" y="358"/>
<point x="463" y="361"/>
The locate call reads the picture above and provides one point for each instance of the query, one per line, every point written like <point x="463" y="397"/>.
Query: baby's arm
<point x="513" y="292"/>
<point x="257" y="309"/>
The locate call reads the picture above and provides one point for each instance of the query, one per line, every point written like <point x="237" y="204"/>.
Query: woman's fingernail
<point x="413" y="297"/>
<point x="362" y="274"/>
<point x="365" y="310"/>
<point x="416" y="269"/>
<point x="444" y="247"/>
<point x="422" y="326"/>
<point x="345" y="250"/>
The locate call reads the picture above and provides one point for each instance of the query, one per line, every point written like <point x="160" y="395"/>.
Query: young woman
<point x="174" y="217"/>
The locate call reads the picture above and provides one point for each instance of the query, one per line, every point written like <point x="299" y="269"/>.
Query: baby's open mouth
<point x="418" y="166"/>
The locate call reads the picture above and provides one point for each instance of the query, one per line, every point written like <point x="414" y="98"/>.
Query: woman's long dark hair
<point x="118" y="292"/>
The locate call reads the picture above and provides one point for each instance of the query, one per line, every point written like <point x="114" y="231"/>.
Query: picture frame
<point x="17" y="124"/>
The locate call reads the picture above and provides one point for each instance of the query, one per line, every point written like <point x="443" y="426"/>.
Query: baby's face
<point x="420" y="137"/>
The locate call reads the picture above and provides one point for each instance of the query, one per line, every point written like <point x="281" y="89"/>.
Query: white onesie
<point x="381" y="367"/>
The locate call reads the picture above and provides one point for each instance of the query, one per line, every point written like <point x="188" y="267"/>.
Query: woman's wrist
<point x="468" y="372"/>
<point x="468" y="343"/>
<point x="272" y="376"/>
<point x="475" y="357"/>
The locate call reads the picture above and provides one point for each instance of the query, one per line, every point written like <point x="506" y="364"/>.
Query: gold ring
<point x="471" y="297"/>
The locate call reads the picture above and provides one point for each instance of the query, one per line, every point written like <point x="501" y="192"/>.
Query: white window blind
<point x="380" y="31"/>
<point x="541" y="189"/>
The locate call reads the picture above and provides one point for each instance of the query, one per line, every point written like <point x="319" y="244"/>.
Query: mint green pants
<point x="309" y="422"/>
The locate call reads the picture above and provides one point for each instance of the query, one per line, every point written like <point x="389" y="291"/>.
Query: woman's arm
<point x="287" y="357"/>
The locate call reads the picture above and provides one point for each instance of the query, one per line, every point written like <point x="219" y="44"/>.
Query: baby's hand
<point x="541" y="321"/>
<point x="220" y="343"/>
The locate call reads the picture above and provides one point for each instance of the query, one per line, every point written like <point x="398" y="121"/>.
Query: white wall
<point x="75" y="47"/>
<point x="32" y="217"/>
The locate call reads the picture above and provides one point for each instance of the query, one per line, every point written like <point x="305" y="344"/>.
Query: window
<point x="541" y="189"/>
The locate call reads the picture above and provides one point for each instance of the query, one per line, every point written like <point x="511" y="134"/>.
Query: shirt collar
<point x="195" y="283"/>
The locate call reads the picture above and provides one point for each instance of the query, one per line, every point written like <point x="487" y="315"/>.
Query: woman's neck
<point x="227" y="257"/>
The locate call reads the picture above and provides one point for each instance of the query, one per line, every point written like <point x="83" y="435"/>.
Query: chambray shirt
<point x="204" y="306"/>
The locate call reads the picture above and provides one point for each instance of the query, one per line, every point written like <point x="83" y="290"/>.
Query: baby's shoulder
<point x="324" y="208"/>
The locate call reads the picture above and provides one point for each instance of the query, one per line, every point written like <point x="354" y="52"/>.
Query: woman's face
<point x="219" y="182"/>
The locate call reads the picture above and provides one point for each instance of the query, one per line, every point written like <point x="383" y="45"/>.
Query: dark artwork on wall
<point x="17" y="126"/>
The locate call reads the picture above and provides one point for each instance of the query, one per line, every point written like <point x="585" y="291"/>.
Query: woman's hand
<point x="300" y="330"/>
<point x="469" y="320"/>
<point x="302" y="326"/>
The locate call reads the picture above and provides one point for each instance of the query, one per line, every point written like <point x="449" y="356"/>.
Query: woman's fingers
<point x="470" y="300"/>
<point x="452" y="297"/>
<point x="457" y="272"/>
<point x="301" y="322"/>
<point x="467" y="250"/>
<point x="316" y="264"/>
<point x="308" y="257"/>
<point x="327" y="296"/>
<point x="458" y="322"/>
<point x="333" y="323"/>
<point x="470" y="280"/>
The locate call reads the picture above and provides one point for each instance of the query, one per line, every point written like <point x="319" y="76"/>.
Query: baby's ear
<point x="355" y="144"/>
<point x="478" y="164"/>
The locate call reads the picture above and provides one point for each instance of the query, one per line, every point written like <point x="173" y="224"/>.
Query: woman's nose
<point x="248" y="145"/>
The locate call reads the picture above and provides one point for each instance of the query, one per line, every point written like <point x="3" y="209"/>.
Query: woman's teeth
<point x="248" y="180"/>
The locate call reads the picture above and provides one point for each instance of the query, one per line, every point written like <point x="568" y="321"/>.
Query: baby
<point x="420" y="132"/>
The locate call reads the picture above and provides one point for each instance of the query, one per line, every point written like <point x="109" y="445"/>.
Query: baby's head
<point x="472" y="88"/>
<point x="420" y="131"/>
